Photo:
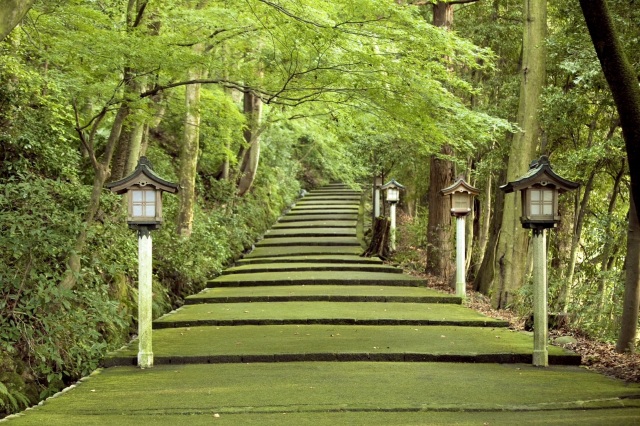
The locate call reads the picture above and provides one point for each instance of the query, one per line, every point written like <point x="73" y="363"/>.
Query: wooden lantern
<point x="143" y="189"/>
<point x="539" y="189"/>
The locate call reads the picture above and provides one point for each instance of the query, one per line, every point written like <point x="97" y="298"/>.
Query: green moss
<point x="346" y="393"/>
<point x="315" y="232"/>
<point x="306" y="241"/>
<point x="316" y="311"/>
<point x="314" y="224"/>
<point x="317" y="277"/>
<point x="332" y="339"/>
<point x="303" y="251"/>
<point x="304" y="266"/>
<point x="326" y="258"/>
<point x="328" y="290"/>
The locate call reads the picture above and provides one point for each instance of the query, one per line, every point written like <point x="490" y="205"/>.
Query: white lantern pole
<point x="540" y="352"/>
<point x="392" y="236"/>
<point x="145" y="351"/>
<point x="461" y="290"/>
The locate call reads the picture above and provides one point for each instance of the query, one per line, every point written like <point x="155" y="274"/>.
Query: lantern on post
<point x="392" y="194"/>
<point x="461" y="195"/>
<point x="143" y="189"/>
<point x="539" y="189"/>
<point x="377" y="183"/>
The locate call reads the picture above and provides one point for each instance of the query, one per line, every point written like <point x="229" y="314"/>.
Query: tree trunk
<point x="511" y="255"/>
<point x="622" y="80"/>
<point x="128" y="149"/>
<point x="627" y="338"/>
<point x="484" y="228"/>
<point x="189" y="155"/>
<point x="379" y="245"/>
<point x="11" y="13"/>
<point x="565" y="292"/>
<point x="486" y="273"/>
<point x="608" y="251"/>
<point x="439" y="262"/>
<point x="251" y="156"/>
<point x="101" y="170"/>
<point x="135" y="145"/>
<point x="441" y="171"/>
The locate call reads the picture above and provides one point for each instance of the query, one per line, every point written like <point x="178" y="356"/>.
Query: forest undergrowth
<point x="596" y="355"/>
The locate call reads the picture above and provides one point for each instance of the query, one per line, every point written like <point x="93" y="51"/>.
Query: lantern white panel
<point x="150" y="210"/>
<point x="137" y="195"/>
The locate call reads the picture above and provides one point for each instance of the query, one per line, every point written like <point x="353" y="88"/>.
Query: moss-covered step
<point x="306" y="241"/>
<point x="300" y="267"/>
<point x="315" y="278"/>
<point x="323" y="293"/>
<point x="317" y="197"/>
<point x="329" y="394"/>
<point x="302" y="258"/>
<point x="316" y="224"/>
<point x="315" y="217"/>
<point x="335" y="189"/>
<point x="333" y="193"/>
<point x="325" y="202"/>
<point x="327" y="214"/>
<point x="392" y="343"/>
<point x="296" y="312"/>
<point x="303" y="251"/>
<point x="338" y="208"/>
<point x="311" y="232"/>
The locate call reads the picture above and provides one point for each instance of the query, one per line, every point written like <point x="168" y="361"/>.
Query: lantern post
<point x="392" y="190"/>
<point x="377" y="183"/>
<point x="143" y="189"/>
<point x="539" y="189"/>
<point x="461" y="195"/>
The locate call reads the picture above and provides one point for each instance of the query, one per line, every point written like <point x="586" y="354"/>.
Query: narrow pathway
<point x="305" y="331"/>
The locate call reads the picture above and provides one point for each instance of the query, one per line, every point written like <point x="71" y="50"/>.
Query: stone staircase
<point x="305" y="294"/>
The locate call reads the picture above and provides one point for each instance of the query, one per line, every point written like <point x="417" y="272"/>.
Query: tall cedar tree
<point x="623" y="82"/>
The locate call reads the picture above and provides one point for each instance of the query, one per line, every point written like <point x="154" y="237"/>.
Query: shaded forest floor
<point x="596" y="355"/>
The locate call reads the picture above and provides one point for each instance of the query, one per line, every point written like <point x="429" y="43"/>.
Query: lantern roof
<point x="541" y="173"/>
<point x="143" y="175"/>
<point x="392" y="184"/>
<point x="460" y="186"/>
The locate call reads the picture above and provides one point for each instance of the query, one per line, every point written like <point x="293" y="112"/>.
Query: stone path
<point x="305" y="331"/>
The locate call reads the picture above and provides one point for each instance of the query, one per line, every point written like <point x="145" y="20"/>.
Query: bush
<point x="55" y="336"/>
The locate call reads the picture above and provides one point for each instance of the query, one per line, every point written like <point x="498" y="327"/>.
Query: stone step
<point x="325" y="202"/>
<point x="303" y="251"/>
<point x="300" y="267"/>
<point x="312" y="217"/>
<point x="289" y="343"/>
<point x="338" y="208"/>
<point x="315" y="278"/>
<point x="316" y="224"/>
<point x="367" y="393"/>
<point x="304" y="241"/>
<point x="317" y="197"/>
<point x="321" y="293"/>
<point x="311" y="232"/>
<point x="327" y="258"/>
<point x="334" y="193"/>
<point x="330" y="313"/>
